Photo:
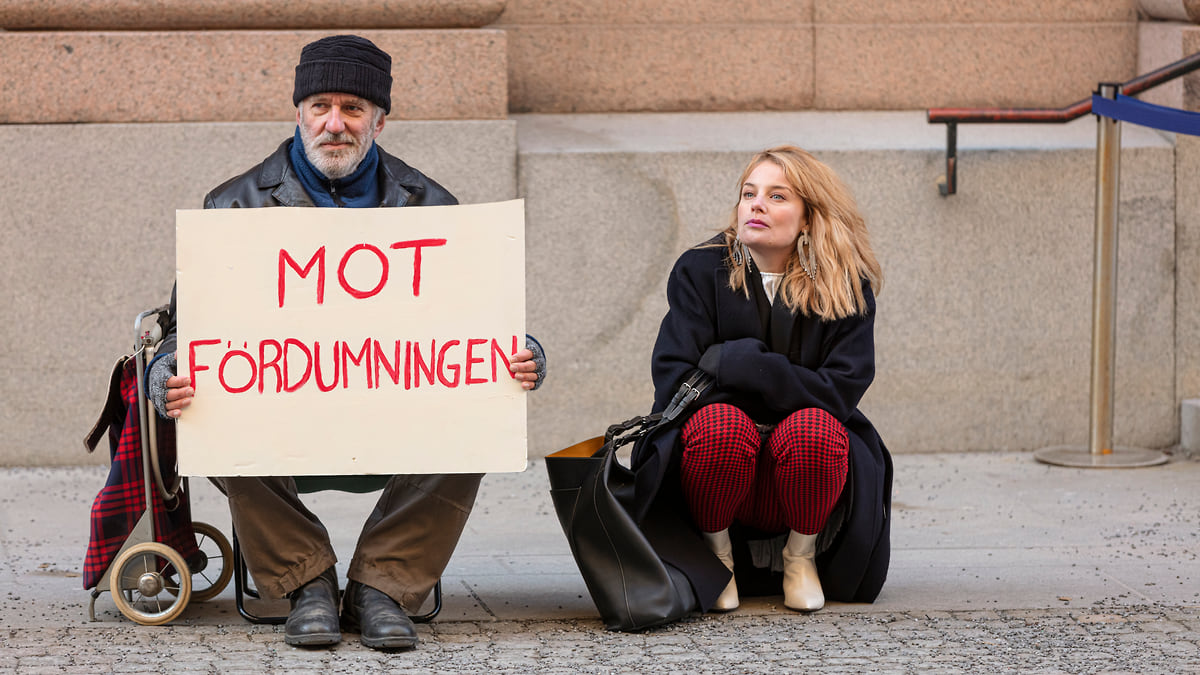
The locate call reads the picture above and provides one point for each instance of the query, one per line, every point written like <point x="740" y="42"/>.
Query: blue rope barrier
<point x="1145" y="114"/>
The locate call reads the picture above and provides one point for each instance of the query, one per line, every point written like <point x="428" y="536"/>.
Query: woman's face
<point x="770" y="217"/>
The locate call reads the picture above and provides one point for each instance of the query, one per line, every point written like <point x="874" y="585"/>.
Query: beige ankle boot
<point x="719" y="543"/>
<point x="801" y="586"/>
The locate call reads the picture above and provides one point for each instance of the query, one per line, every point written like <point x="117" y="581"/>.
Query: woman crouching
<point x="779" y="309"/>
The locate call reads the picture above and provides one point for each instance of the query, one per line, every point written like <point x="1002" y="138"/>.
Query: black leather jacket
<point x="274" y="183"/>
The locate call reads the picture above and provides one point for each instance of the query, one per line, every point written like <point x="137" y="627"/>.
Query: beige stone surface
<point x="983" y="335"/>
<point x="984" y="327"/>
<point x="667" y="12"/>
<point x="1161" y="43"/>
<point x="1171" y="10"/>
<point x="234" y="75"/>
<point x="1187" y="255"/>
<point x="1166" y="10"/>
<point x="957" y="11"/>
<point x="584" y="68"/>
<point x="996" y="65"/>
<point x="89" y="241"/>
<point x="577" y="56"/>
<point x="243" y="14"/>
<point x="819" y="11"/>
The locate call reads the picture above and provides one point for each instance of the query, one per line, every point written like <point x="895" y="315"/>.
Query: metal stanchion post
<point x="1100" y="451"/>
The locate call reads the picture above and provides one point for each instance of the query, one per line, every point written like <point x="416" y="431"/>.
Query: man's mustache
<point x="336" y="138"/>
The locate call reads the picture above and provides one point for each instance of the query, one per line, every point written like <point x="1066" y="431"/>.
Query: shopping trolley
<point x="144" y="547"/>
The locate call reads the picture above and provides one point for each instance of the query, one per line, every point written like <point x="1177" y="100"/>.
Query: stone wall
<point x="1187" y="243"/>
<point x="984" y="320"/>
<point x="571" y="56"/>
<point x="138" y="107"/>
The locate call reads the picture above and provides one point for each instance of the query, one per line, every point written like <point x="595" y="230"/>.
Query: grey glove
<point x="539" y="358"/>
<point x="161" y="369"/>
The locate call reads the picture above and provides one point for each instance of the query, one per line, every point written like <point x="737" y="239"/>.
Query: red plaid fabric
<point x="122" y="501"/>
<point x="792" y="486"/>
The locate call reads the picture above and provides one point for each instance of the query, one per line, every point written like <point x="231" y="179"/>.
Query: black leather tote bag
<point x="632" y="586"/>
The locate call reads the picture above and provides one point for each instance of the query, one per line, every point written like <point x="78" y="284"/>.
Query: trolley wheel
<point x="208" y="582"/>
<point x="142" y="587"/>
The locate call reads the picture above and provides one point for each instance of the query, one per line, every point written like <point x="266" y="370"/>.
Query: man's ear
<point x="298" y="115"/>
<point x="379" y="126"/>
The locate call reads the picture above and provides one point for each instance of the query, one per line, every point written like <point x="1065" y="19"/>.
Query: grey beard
<point x="338" y="166"/>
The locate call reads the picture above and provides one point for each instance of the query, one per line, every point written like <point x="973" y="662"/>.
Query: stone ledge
<point x="640" y="133"/>
<point x="244" y="76"/>
<point x="245" y="14"/>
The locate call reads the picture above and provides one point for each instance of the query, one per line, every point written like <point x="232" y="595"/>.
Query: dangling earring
<point x="809" y="262"/>
<point x="737" y="252"/>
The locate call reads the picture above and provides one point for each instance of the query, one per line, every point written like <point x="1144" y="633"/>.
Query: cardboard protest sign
<point x="351" y="341"/>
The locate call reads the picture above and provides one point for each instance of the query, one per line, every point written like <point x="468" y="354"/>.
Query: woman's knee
<point x="810" y="431"/>
<point x="720" y="429"/>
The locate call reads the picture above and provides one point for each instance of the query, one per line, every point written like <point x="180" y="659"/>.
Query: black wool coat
<point x="769" y="363"/>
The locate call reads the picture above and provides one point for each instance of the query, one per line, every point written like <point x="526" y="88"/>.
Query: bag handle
<point x="691" y="390"/>
<point x="613" y="437"/>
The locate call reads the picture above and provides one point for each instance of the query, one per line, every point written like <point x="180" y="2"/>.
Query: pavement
<point x="1000" y="564"/>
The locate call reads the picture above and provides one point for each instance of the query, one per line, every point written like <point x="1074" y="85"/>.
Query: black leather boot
<point x="313" y="621"/>
<point x="383" y="623"/>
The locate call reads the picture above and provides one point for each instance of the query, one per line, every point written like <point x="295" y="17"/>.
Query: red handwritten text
<point x="317" y="261"/>
<point x="289" y="365"/>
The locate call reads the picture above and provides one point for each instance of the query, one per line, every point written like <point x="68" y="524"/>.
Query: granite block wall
<point x="570" y="56"/>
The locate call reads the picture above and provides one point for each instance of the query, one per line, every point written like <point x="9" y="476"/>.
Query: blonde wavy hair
<point x="837" y="232"/>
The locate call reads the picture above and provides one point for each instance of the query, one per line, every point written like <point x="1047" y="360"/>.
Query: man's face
<point x="337" y="131"/>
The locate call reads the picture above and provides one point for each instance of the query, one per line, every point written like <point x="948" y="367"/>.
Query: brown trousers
<point x="403" y="549"/>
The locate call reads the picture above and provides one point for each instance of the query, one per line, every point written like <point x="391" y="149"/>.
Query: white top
<point x="771" y="283"/>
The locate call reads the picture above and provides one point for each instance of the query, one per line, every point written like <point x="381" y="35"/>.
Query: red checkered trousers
<point x="788" y="481"/>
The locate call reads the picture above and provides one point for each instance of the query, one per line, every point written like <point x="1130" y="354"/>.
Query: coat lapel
<point x="774" y="317"/>
<point x="768" y="321"/>
<point x="762" y="304"/>
<point x="737" y="317"/>
<point x="782" y="322"/>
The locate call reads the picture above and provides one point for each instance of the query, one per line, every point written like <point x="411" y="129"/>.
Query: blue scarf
<point x="358" y="190"/>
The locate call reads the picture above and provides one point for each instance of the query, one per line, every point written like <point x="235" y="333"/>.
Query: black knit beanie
<point x="347" y="64"/>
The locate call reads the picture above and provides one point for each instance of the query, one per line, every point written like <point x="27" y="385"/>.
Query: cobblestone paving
<point x="1096" y="640"/>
